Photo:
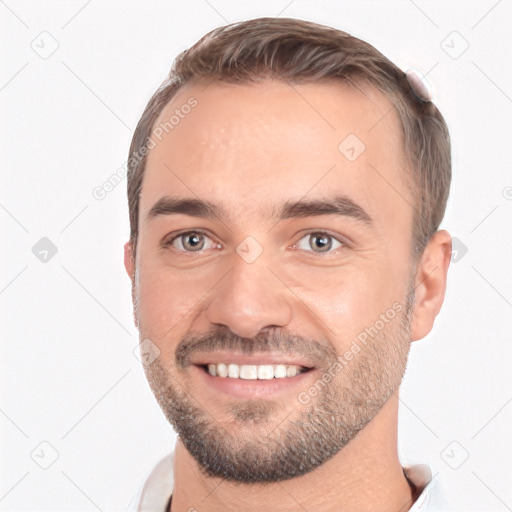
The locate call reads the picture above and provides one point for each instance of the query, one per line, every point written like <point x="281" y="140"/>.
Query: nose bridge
<point x="249" y="298"/>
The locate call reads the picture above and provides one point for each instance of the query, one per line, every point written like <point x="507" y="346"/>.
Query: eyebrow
<point x="340" y="205"/>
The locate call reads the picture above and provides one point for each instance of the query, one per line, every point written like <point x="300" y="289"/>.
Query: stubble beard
<point x="266" y="441"/>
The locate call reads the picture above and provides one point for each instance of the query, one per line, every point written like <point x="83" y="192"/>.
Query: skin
<point x="249" y="148"/>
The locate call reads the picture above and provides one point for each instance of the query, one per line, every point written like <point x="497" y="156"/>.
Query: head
<point x="285" y="189"/>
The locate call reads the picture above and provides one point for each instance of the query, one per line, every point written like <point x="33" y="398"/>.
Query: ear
<point x="430" y="283"/>
<point x="129" y="265"/>
<point x="129" y="260"/>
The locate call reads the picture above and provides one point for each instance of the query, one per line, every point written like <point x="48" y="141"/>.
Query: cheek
<point x="171" y="299"/>
<point x="165" y="299"/>
<point x="350" y="299"/>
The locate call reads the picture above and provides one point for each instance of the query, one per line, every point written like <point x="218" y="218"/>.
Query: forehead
<point x="249" y="147"/>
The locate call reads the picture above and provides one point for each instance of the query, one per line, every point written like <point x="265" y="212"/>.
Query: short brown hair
<point x="298" y="51"/>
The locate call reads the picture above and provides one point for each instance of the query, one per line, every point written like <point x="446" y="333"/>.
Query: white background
<point x="70" y="379"/>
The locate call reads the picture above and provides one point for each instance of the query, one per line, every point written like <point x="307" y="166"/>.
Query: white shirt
<point x="157" y="486"/>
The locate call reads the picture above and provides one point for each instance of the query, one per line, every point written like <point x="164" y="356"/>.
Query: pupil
<point x="192" y="241"/>
<point x="322" y="241"/>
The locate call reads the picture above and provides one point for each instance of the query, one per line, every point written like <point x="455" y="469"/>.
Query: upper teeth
<point x="253" y="371"/>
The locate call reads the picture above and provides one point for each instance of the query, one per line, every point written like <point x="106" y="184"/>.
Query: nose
<point x="250" y="298"/>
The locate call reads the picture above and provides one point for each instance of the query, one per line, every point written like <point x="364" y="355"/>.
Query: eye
<point x="197" y="241"/>
<point x="191" y="241"/>
<point x="319" y="242"/>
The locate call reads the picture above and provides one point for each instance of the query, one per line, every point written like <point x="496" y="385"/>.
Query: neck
<point x="365" y="475"/>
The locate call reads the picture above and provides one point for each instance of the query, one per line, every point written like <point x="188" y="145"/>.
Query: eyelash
<point x="312" y="232"/>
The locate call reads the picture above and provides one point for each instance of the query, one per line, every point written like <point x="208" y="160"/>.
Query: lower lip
<point x="252" y="388"/>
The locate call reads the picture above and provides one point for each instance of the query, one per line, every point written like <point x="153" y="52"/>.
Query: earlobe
<point x="430" y="283"/>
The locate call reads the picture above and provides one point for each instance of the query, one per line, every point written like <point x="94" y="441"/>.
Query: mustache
<point x="273" y="340"/>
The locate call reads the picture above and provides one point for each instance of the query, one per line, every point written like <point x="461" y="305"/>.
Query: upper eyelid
<point x="181" y="233"/>
<point x="171" y="240"/>
<point x="340" y="239"/>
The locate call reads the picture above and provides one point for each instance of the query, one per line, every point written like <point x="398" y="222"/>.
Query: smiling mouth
<point x="253" y="371"/>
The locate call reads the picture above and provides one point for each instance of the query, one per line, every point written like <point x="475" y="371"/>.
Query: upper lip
<point x="257" y="359"/>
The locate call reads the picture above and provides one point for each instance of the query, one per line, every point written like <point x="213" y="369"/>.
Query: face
<point x="281" y="240"/>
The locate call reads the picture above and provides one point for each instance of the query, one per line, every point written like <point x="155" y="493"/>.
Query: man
<point x="286" y="184"/>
